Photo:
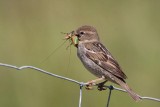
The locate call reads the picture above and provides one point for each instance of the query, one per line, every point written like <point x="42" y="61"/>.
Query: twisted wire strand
<point x="81" y="84"/>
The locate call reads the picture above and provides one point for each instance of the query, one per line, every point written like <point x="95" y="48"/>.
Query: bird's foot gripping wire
<point x="92" y="83"/>
<point x="101" y="86"/>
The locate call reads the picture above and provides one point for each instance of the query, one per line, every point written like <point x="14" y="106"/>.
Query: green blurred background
<point x="30" y="31"/>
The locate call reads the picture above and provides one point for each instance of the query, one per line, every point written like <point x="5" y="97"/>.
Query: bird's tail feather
<point x="124" y="85"/>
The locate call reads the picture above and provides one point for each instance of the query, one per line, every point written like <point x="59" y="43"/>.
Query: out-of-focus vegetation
<point x="30" y="31"/>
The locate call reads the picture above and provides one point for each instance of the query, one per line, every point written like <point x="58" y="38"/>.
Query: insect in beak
<point x="72" y="38"/>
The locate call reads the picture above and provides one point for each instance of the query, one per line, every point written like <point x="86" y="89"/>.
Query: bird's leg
<point x="93" y="82"/>
<point x="101" y="86"/>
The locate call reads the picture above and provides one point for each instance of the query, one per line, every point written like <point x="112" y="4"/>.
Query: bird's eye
<point x="81" y="33"/>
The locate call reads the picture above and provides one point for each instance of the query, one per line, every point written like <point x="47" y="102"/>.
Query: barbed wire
<point x="81" y="84"/>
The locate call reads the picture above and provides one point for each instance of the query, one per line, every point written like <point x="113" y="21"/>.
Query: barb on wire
<point x="81" y="84"/>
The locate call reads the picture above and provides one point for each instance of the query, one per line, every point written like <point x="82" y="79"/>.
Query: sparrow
<point x="97" y="59"/>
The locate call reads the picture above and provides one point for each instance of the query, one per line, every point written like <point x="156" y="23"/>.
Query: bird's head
<point x="83" y="34"/>
<point x="86" y="33"/>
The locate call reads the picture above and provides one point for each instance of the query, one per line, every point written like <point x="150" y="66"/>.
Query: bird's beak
<point x="73" y="37"/>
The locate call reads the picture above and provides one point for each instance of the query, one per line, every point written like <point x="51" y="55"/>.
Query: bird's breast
<point x="88" y="63"/>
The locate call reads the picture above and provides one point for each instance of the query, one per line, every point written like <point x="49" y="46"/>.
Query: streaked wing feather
<point x="102" y="57"/>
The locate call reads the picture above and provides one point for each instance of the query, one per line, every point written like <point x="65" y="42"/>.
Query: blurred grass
<point x="30" y="31"/>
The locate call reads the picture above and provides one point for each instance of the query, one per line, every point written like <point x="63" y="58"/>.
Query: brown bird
<point x="98" y="60"/>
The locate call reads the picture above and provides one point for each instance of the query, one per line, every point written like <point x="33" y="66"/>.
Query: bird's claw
<point x="101" y="87"/>
<point x="90" y="85"/>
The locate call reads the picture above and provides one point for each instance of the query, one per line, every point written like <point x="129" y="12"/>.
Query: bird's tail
<point x="124" y="85"/>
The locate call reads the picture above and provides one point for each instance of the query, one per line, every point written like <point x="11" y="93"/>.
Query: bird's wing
<point x="102" y="57"/>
